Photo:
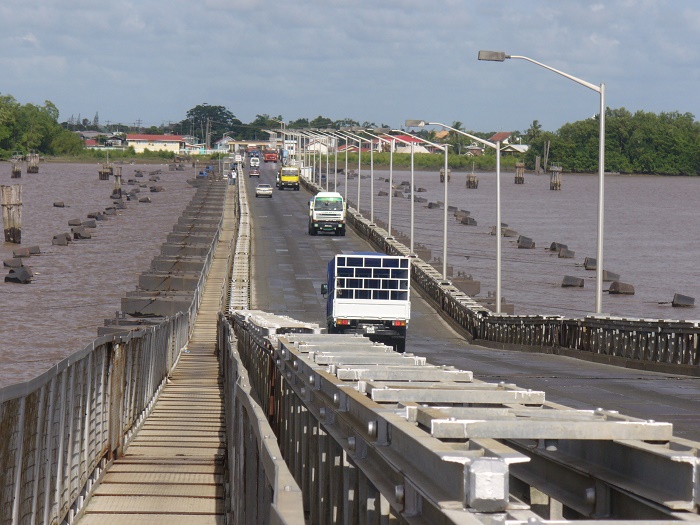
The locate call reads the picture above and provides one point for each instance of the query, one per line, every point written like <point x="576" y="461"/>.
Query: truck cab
<point x="327" y="213"/>
<point x="288" y="177"/>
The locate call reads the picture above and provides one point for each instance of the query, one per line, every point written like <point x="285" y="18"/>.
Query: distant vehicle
<point x="288" y="177"/>
<point x="253" y="172"/>
<point x="369" y="293"/>
<point x="254" y="162"/>
<point x="263" y="190"/>
<point x="270" y="155"/>
<point x="327" y="213"/>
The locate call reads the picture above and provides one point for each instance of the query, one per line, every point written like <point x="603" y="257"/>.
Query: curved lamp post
<point x="391" y="169"/>
<point x="444" y="147"/>
<point x="497" y="147"/>
<point x="332" y="133"/>
<point x="358" y="139"/>
<point x="416" y="137"/>
<point x="500" y="56"/>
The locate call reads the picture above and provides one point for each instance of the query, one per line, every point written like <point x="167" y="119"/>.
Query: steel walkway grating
<point x="173" y="471"/>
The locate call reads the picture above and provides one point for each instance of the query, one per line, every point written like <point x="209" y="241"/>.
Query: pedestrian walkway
<point x="173" y="471"/>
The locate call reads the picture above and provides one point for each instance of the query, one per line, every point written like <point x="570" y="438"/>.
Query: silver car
<point x="263" y="190"/>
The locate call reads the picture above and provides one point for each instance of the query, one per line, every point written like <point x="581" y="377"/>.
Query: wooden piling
<point x="105" y="171"/>
<point x="16" y="169"/>
<point x="11" y="201"/>
<point x="33" y="162"/>
<point x="16" y="160"/>
<point x="442" y="174"/>
<point x="555" y="178"/>
<point x="117" y="193"/>
<point x="472" y="181"/>
<point x="520" y="173"/>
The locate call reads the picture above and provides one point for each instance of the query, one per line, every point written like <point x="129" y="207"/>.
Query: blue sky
<point x="381" y="62"/>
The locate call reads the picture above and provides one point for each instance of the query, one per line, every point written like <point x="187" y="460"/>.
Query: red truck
<point x="270" y="155"/>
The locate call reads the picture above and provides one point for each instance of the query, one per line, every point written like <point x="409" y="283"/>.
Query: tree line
<point x="640" y="142"/>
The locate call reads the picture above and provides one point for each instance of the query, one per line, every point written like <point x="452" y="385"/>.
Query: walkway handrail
<point x="60" y="430"/>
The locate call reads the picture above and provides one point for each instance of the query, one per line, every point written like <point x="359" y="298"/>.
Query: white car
<point x="254" y="162"/>
<point x="263" y="190"/>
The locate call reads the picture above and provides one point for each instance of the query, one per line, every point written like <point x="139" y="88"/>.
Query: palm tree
<point x="457" y="139"/>
<point x="534" y="131"/>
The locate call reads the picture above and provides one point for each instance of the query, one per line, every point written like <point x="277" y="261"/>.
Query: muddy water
<point x="77" y="286"/>
<point x="652" y="238"/>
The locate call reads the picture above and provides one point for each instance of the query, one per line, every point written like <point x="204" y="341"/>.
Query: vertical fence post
<point x="18" y="459"/>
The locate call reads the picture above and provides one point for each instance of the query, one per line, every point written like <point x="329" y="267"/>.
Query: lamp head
<point x="415" y="123"/>
<point x="493" y="56"/>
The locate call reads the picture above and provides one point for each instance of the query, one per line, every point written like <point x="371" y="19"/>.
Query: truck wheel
<point x="342" y="231"/>
<point x="296" y="189"/>
<point x="400" y="346"/>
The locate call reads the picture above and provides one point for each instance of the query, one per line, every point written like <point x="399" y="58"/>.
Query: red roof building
<point x="501" y="136"/>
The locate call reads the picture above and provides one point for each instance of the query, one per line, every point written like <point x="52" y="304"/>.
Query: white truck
<point x="369" y="293"/>
<point x="327" y="213"/>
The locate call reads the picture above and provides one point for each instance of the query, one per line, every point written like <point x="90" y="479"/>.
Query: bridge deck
<point x="172" y="472"/>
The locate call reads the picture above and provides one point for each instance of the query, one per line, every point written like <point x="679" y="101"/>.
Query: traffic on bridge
<point x="288" y="360"/>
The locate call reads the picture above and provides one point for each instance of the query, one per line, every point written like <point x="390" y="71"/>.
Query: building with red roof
<point x="501" y="136"/>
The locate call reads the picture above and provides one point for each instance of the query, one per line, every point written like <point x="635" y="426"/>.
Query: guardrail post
<point x="18" y="459"/>
<point x="116" y="399"/>
<point x="40" y="417"/>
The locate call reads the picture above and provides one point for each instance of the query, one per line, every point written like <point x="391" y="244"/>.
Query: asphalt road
<point x="289" y="266"/>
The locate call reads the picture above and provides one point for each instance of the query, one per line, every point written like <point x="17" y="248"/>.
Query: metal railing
<point x="373" y="436"/>
<point x="60" y="431"/>
<point x="263" y="489"/>
<point x="658" y="345"/>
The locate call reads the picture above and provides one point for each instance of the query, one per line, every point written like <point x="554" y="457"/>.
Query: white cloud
<point x="368" y="60"/>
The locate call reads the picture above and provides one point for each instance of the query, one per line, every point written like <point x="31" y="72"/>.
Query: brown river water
<point x="651" y="238"/>
<point x="77" y="286"/>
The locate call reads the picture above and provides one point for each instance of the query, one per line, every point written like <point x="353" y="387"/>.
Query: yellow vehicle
<point x="288" y="177"/>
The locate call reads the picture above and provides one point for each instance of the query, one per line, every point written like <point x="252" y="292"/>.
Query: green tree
<point x="321" y="122"/>
<point x="66" y="143"/>
<point x="205" y="117"/>
<point x="534" y="131"/>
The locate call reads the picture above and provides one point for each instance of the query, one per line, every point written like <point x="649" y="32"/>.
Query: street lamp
<point x="500" y="56"/>
<point x="415" y="137"/>
<point x="497" y="147"/>
<point x="391" y="173"/>
<point x="359" y="140"/>
<point x="331" y="134"/>
<point x="335" y="136"/>
<point x="313" y="134"/>
<point x="421" y="123"/>
<point x="283" y="132"/>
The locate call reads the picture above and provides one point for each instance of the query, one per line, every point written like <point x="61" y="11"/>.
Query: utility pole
<point x="208" y="140"/>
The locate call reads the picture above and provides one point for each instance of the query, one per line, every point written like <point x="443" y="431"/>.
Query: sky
<point x="371" y="61"/>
